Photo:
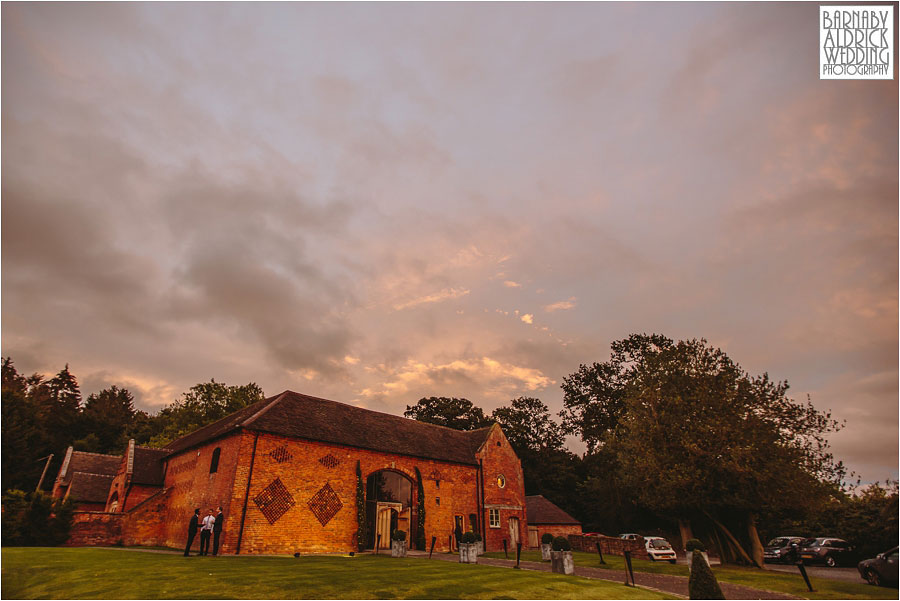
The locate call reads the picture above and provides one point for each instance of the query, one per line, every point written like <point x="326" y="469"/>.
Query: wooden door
<point x="513" y="532"/>
<point x="383" y="522"/>
<point x="533" y="540"/>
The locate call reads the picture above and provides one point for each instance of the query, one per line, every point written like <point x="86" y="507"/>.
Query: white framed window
<point x="494" y="515"/>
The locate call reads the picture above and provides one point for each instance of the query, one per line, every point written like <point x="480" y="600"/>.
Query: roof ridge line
<point x="309" y="396"/>
<point x="97" y="454"/>
<point x="93" y="474"/>
<point x="253" y="417"/>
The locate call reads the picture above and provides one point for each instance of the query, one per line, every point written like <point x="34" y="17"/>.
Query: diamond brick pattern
<point x="329" y="460"/>
<point x="325" y="504"/>
<point x="274" y="500"/>
<point x="281" y="454"/>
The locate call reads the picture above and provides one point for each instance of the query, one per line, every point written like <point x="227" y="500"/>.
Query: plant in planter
<point x="702" y="583"/>
<point x="695" y="544"/>
<point x="561" y="561"/>
<point x="468" y="549"/>
<point x="546" y="542"/>
<point x="398" y="543"/>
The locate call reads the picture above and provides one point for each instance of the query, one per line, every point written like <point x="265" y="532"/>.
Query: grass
<point x="86" y="573"/>
<point x="774" y="581"/>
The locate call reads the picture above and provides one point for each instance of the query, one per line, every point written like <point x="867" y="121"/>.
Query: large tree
<point x="459" y="414"/>
<point x="108" y="416"/>
<point x="694" y="436"/>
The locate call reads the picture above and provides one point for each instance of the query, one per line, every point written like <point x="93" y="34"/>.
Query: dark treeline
<point x="46" y="415"/>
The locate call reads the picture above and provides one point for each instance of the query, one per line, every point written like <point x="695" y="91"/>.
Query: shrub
<point x="477" y="538"/>
<point x="694" y="544"/>
<point x="468" y="538"/>
<point x="561" y="543"/>
<point x="547" y="539"/>
<point x="398" y="535"/>
<point x="35" y="519"/>
<point x="703" y="584"/>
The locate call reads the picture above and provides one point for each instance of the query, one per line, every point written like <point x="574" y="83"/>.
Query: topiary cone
<point x="703" y="584"/>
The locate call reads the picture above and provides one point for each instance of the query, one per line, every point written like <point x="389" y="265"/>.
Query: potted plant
<point x="561" y="561"/>
<point x="468" y="549"/>
<point x="546" y="542"/>
<point x="695" y="544"/>
<point x="398" y="543"/>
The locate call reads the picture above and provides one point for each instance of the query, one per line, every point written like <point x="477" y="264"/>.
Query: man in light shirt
<point x="206" y="532"/>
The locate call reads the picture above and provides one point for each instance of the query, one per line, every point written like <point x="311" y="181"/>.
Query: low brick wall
<point x="95" y="528"/>
<point x="609" y="545"/>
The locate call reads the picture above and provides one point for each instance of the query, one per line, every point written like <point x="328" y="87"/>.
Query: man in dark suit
<point x="217" y="530"/>
<point x="192" y="531"/>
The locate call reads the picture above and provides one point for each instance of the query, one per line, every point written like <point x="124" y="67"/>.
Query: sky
<point x="374" y="203"/>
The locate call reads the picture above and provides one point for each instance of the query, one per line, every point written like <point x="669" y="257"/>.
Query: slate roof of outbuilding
<point x="301" y="416"/>
<point x="91" y="463"/>
<point x="148" y="469"/>
<point x="542" y="511"/>
<point x="90" y="488"/>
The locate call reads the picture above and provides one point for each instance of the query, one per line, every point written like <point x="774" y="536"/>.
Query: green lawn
<point x="774" y="581"/>
<point x="85" y="573"/>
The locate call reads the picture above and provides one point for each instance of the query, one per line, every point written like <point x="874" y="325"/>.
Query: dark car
<point x="880" y="571"/>
<point x="830" y="551"/>
<point x="782" y="549"/>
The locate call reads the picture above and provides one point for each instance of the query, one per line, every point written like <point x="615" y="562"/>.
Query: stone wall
<point x="609" y="545"/>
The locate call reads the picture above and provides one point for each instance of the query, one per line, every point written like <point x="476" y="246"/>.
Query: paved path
<point x="842" y="574"/>
<point x="673" y="585"/>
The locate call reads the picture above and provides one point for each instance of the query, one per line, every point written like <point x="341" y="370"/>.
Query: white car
<point x="659" y="549"/>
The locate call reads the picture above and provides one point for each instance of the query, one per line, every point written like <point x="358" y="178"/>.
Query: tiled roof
<point x="89" y="488"/>
<point x="311" y="418"/>
<point x="148" y="468"/>
<point x="91" y="463"/>
<point x="541" y="511"/>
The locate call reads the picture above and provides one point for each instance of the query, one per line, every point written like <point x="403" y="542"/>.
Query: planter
<point x="561" y="562"/>
<point x="468" y="552"/>
<point x="480" y="547"/>
<point x="545" y="552"/>
<point x="398" y="548"/>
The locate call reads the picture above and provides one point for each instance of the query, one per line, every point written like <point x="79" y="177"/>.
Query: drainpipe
<point x="237" y="550"/>
<point x="481" y="512"/>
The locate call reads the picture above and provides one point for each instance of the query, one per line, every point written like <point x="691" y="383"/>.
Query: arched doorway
<point x="389" y="507"/>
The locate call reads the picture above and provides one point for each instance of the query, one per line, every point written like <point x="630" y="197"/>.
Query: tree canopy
<point x="459" y="414"/>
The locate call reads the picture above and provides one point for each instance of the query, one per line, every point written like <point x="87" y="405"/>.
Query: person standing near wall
<point x="217" y="529"/>
<point x="206" y="531"/>
<point x="192" y="531"/>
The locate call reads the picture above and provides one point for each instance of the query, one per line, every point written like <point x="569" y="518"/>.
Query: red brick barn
<point x="285" y="472"/>
<point x="544" y="516"/>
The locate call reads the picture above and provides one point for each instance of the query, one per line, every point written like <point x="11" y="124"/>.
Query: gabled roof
<point x="91" y="463"/>
<point x="89" y="488"/>
<point x="542" y="511"/>
<point x="148" y="468"/>
<point x="301" y="416"/>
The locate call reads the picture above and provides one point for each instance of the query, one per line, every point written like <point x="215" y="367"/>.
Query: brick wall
<point x="555" y="530"/>
<point x="94" y="528"/>
<point x="304" y="469"/>
<point x="608" y="545"/>
<point x="498" y="458"/>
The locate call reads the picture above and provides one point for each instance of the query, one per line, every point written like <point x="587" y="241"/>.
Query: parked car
<point x="632" y="536"/>
<point x="659" y="549"/>
<point x="830" y="551"/>
<point x="782" y="549"/>
<point x="880" y="571"/>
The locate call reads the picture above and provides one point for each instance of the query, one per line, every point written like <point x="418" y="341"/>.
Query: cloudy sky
<point x="379" y="202"/>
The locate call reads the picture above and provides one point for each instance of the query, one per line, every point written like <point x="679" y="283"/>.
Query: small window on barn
<point x="494" y="515"/>
<point x="437" y="500"/>
<point x="214" y="462"/>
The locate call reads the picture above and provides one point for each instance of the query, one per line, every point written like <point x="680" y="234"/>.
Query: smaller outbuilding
<point x="544" y="516"/>
<point x="85" y="478"/>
